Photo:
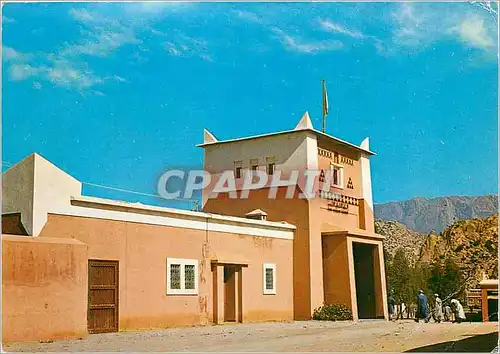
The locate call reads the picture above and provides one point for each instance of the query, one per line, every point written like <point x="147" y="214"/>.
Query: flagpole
<point x="323" y="101"/>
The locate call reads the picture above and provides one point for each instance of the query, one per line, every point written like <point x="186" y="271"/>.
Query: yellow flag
<point x="325" y="100"/>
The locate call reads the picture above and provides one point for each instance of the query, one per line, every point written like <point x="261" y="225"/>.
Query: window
<point x="237" y="169"/>
<point x="182" y="276"/>
<point x="254" y="165"/>
<point x="270" y="165"/>
<point x="270" y="169"/>
<point x="175" y="276"/>
<point x="269" y="279"/>
<point x="337" y="173"/>
<point x="189" y="277"/>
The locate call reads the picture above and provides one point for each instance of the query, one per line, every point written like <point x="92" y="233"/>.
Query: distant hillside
<point x="425" y="215"/>
<point x="397" y="236"/>
<point x="472" y="243"/>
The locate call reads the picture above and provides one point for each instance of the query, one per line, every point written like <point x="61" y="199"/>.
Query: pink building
<point x="74" y="264"/>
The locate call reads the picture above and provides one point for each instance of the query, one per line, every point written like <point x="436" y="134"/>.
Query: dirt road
<point x="371" y="336"/>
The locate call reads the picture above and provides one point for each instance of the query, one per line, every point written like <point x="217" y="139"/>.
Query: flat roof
<point x="314" y="131"/>
<point x="180" y="212"/>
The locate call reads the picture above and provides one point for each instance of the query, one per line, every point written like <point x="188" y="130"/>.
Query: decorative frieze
<point x="325" y="153"/>
<point x="335" y="156"/>
<point x="339" y="197"/>
<point x="338" y="206"/>
<point x="346" y="160"/>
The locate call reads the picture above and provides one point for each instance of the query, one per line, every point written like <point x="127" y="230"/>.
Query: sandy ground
<point x="371" y="336"/>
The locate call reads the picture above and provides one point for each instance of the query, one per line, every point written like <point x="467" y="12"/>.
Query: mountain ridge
<point x="425" y="215"/>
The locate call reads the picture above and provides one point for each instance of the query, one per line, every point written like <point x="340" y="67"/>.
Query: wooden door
<point x="102" y="315"/>
<point x="229" y="294"/>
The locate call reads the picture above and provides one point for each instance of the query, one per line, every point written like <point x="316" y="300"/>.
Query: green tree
<point x="420" y="274"/>
<point x="398" y="276"/>
<point x="447" y="280"/>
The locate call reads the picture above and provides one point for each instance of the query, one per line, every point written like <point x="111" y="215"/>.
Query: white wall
<point x="34" y="186"/>
<point x="17" y="191"/>
<point x="366" y="186"/>
<point x="53" y="189"/>
<point x="291" y="151"/>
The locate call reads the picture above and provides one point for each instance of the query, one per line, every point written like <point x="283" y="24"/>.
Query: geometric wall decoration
<point x="349" y="184"/>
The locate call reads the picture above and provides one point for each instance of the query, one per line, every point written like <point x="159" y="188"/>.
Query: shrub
<point x="332" y="312"/>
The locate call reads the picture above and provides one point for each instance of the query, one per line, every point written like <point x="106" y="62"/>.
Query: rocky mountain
<point x="472" y="243"/>
<point x="398" y="235"/>
<point x="425" y="215"/>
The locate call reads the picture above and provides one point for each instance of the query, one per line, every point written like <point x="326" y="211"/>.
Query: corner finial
<point x="208" y="137"/>
<point x="305" y="122"/>
<point x="365" y="144"/>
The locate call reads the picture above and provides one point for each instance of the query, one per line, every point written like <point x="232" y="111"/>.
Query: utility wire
<point x="194" y="202"/>
<point x="124" y="190"/>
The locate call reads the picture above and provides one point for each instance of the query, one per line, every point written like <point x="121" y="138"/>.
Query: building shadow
<point x="482" y="343"/>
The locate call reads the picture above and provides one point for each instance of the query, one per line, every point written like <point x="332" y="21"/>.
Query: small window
<point x="271" y="165"/>
<point x="237" y="169"/>
<point x="254" y="165"/>
<point x="270" y="169"/>
<point x="182" y="276"/>
<point x="269" y="279"/>
<point x="337" y="173"/>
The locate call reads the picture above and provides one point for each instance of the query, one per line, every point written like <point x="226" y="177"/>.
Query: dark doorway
<point x="12" y="224"/>
<point x="229" y="293"/>
<point x="365" y="280"/>
<point x="102" y="313"/>
<point x="493" y="310"/>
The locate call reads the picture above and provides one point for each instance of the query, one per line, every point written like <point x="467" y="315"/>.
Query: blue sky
<point x="115" y="94"/>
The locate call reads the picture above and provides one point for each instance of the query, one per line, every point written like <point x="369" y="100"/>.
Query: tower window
<point x="254" y="164"/>
<point x="270" y="168"/>
<point x="237" y="169"/>
<point x="337" y="174"/>
<point x="271" y="165"/>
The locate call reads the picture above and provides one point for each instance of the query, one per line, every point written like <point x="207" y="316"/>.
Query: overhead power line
<point x="194" y="202"/>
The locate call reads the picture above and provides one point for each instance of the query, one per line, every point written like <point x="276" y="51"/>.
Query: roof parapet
<point x="208" y="137"/>
<point x="305" y="122"/>
<point x="365" y="144"/>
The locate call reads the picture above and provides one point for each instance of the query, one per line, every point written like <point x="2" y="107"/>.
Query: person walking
<point x="458" y="310"/>
<point x="447" y="312"/>
<point x="421" y="307"/>
<point x="438" y="310"/>
<point x="392" y="305"/>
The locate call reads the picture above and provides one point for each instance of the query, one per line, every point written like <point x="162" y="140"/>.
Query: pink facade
<point x="77" y="265"/>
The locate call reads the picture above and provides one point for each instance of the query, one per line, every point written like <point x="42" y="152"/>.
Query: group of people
<point x="441" y="312"/>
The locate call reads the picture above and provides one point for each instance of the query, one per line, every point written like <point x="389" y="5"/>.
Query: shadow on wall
<point x="483" y="343"/>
